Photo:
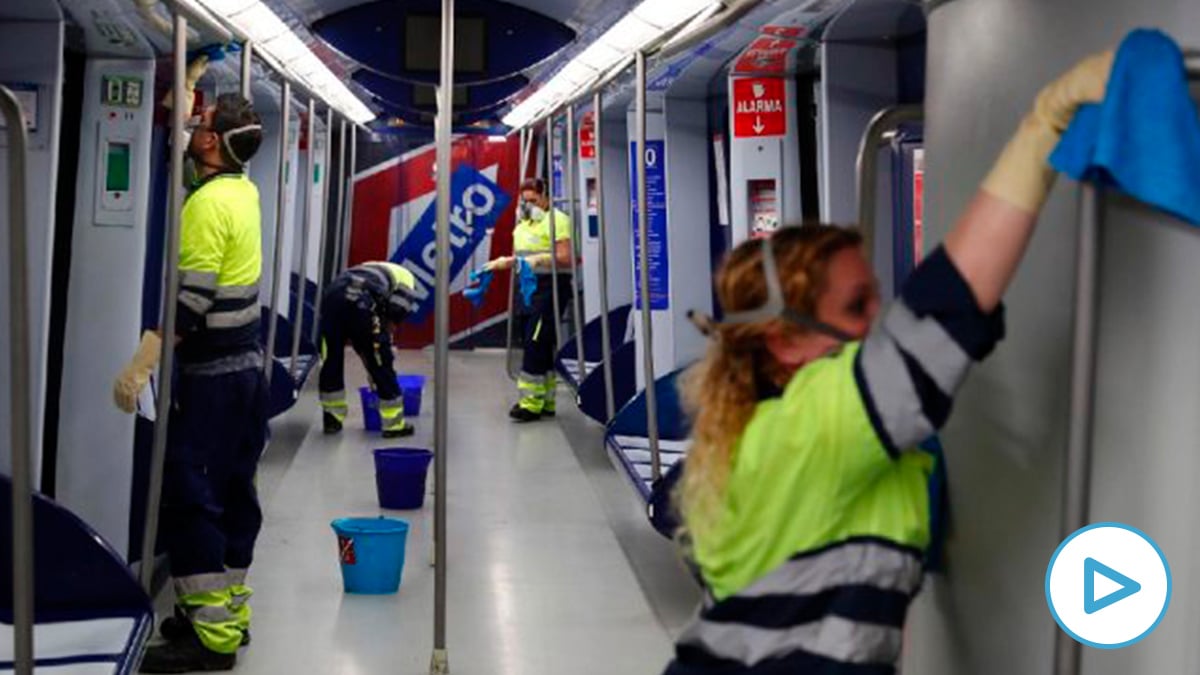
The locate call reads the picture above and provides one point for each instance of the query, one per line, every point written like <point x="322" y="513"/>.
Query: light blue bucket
<point x="371" y="551"/>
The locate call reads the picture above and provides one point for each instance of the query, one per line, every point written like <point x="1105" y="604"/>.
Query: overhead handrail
<point x="170" y="297"/>
<point x="302" y="281"/>
<point x="558" y="333"/>
<point x="569" y="159"/>
<point x="322" y="252"/>
<point x="644" y="260"/>
<point x="602" y="259"/>
<point x="884" y="121"/>
<point x="439" y="663"/>
<point x="19" y="356"/>
<point x="285" y="105"/>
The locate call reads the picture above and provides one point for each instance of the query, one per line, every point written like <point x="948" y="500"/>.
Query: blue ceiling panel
<point x="404" y="93"/>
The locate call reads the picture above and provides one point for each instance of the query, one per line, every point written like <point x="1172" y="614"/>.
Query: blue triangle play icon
<point x="1091" y="568"/>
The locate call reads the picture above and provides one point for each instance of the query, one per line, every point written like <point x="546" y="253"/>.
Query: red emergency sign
<point x="758" y="107"/>
<point x="587" y="137"/>
<point x="766" y="54"/>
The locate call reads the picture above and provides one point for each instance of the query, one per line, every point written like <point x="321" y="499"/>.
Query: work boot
<point x="401" y="431"/>
<point x="333" y="425"/>
<point x="179" y="627"/>
<point x="185" y="655"/>
<point x="520" y="414"/>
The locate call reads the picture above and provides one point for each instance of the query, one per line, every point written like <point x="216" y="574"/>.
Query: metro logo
<point x="478" y="203"/>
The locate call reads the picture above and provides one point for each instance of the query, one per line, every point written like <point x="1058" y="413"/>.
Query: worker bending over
<point x="218" y="425"/>
<point x="805" y="495"/>
<point x="360" y="307"/>
<point x="537" y="383"/>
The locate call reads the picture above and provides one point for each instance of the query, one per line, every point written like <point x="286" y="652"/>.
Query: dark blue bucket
<point x="400" y="477"/>
<point x="411" y="387"/>
<point x="371" y="551"/>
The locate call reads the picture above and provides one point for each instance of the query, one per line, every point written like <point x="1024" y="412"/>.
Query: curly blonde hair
<point x="721" y="392"/>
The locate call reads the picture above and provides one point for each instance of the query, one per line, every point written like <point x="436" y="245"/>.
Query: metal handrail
<point x="336" y="260"/>
<point x="439" y="661"/>
<point x="348" y="223"/>
<point x="170" y="297"/>
<point x="302" y="281"/>
<point x="644" y="261"/>
<point x="605" y="337"/>
<point x="886" y="120"/>
<point x="285" y="105"/>
<point x="509" y="329"/>
<point x="19" y="356"/>
<point x="558" y="333"/>
<point x="569" y="160"/>
<point x="322" y="252"/>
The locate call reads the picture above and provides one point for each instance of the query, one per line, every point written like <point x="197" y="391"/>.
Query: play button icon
<point x="1099" y="567"/>
<point x="1093" y="568"/>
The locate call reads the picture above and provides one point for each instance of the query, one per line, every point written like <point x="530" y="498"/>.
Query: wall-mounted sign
<point x="759" y="107"/>
<point x="587" y="137"/>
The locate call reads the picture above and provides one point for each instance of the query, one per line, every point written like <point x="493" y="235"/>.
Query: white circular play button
<point x="1108" y="585"/>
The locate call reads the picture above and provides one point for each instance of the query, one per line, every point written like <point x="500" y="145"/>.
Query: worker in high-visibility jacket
<point x="360" y="307"/>
<point x="537" y="383"/>
<point x="218" y="419"/>
<point x="805" y="493"/>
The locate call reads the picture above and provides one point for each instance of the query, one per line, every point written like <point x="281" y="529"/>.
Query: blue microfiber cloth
<point x="480" y="281"/>
<point x="1144" y="138"/>
<point x="215" y="52"/>
<point x="527" y="280"/>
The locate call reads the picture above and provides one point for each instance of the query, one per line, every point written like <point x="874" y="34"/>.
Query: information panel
<point x="656" y="221"/>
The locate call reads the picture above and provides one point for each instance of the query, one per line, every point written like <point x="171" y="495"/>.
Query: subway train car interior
<point x="599" y="337"/>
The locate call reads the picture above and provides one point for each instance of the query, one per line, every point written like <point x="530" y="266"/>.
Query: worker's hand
<point x="1022" y="175"/>
<point x="502" y="263"/>
<point x="136" y="375"/>
<point x="195" y="71"/>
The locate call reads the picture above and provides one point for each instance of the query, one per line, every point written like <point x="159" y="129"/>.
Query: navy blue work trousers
<point x="343" y="320"/>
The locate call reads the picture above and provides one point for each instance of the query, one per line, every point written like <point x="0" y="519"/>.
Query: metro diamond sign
<point x="759" y="107"/>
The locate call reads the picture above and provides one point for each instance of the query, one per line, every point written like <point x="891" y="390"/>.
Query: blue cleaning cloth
<point x="527" y="281"/>
<point x="480" y="281"/>
<point x="215" y="52"/>
<point x="1144" y="138"/>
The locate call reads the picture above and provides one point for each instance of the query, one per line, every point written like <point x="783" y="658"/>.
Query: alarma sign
<point x="758" y="107"/>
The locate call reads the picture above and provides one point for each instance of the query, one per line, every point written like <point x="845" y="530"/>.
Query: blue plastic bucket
<point x="411" y="387"/>
<point x="400" y="477"/>
<point x="371" y="551"/>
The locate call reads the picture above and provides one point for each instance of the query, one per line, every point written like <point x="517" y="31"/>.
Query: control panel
<point x="121" y="98"/>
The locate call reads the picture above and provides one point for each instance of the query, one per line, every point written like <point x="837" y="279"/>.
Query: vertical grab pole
<point x="644" y="261"/>
<point x="572" y="197"/>
<point x="336" y="259"/>
<point x="558" y="336"/>
<point x="439" y="663"/>
<point x="348" y="228"/>
<point x="247" y="61"/>
<point x="22" y="462"/>
<point x="605" y="337"/>
<point x="316" y="327"/>
<point x="170" y="299"/>
<point x="285" y="105"/>
<point x="1078" y="465"/>
<point x="509" y="329"/>
<point x="302" y="278"/>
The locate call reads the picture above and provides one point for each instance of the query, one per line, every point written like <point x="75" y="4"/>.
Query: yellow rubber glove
<point x="502" y="263"/>
<point x="136" y="374"/>
<point x="195" y="71"/>
<point x="1022" y="175"/>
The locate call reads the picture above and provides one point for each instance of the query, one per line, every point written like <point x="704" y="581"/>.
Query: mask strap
<point x="225" y="138"/>
<point x="775" y="307"/>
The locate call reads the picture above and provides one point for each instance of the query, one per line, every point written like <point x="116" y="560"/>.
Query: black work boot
<point x="400" y="431"/>
<point x="185" y="655"/>
<point x="519" y="414"/>
<point x="332" y="424"/>
<point x="179" y="627"/>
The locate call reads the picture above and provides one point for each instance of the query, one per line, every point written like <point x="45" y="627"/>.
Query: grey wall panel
<point x="987" y="60"/>
<point x="616" y="210"/>
<point x="32" y="55"/>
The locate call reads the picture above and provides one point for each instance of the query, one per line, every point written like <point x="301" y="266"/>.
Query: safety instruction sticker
<point x="656" y="226"/>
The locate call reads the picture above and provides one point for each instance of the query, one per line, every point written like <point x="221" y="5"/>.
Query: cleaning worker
<point x="361" y="306"/>
<point x="804" y="496"/>
<point x="218" y="427"/>
<point x="537" y="383"/>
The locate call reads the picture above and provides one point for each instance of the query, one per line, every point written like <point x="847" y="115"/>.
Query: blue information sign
<point x="656" y="230"/>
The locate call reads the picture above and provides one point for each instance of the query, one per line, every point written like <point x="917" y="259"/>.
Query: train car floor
<point x="553" y="568"/>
